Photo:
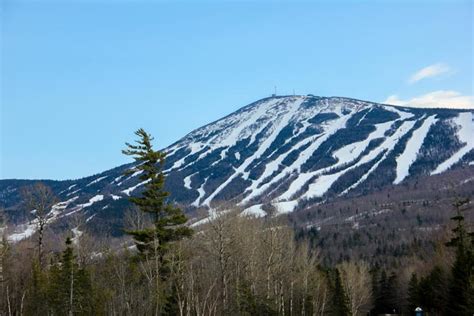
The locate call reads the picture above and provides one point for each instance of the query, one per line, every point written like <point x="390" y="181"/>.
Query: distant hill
<point x="281" y="154"/>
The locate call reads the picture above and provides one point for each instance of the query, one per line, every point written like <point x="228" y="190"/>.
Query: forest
<point x="230" y="265"/>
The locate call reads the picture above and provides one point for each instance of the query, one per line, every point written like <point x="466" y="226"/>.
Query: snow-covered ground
<point x="465" y="134"/>
<point x="409" y="155"/>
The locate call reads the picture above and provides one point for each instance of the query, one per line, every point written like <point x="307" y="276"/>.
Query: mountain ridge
<point x="282" y="151"/>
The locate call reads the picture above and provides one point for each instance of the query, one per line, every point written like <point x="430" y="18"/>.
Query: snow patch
<point x="90" y="217"/>
<point x="28" y="230"/>
<point x="466" y="135"/>
<point x="286" y="207"/>
<point x="403" y="115"/>
<point x="324" y="182"/>
<point x="255" y="211"/>
<point x="96" y="180"/>
<point x="187" y="182"/>
<point x="76" y="235"/>
<point x="72" y="193"/>
<point x="201" y="193"/>
<point x="115" y="197"/>
<point x="92" y="200"/>
<point x="131" y="189"/>
<point x="213" y="214"/>
<point x="409" y="155"/>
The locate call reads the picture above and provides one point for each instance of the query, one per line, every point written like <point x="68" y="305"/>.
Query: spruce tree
<point x="414" y="298"/>
<point x="386" y="294"/>
<point x="461" y="290"/>
<point x="436" y="293"/>
<point x="70" y="291"/>
<point x="38" y="291"/>
<point x="339" y="297"/>
<point x="168" y="219"/>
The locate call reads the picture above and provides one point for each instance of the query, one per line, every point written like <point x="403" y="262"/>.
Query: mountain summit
<point x="285" y="152"/>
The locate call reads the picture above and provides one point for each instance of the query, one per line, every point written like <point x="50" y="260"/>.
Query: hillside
<point x="280" y="154"/>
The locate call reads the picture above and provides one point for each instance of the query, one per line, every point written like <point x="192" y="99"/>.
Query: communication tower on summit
<point x="275" y="93"/>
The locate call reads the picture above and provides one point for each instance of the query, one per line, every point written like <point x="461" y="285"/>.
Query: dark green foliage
<point x="439" y="144"/>
<point x="351" y="177"/>
<point x="429" y="293"/>
<point x="235" y="188"/>
<point x="379" y="115"/>
<point x="339" y="300"/>
<point x="323" y="117"/>
<point x="434" y="291"/>
<point x="39" y="291"/>
<point x="70" y="290"/>
<point x="321" y="157"/>
<point x="385" y="293"/>
<point x="414" y="294"/>
<point x="461" y="290"/>
<point x="168" y="219"/>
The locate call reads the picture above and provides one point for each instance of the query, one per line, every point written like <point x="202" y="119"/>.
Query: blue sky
<point x="78" y="77"/>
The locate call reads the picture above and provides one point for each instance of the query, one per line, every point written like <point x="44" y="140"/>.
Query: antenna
<point x="274" y="94"/>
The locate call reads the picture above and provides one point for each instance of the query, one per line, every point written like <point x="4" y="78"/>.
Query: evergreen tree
<point x="339" y="297"/>
<point x="461" y="290"/>
<point x="38" y="290"/>
<point x="70" y="290"/>
<point x="386" y="294"/>
<point x="414" y="298"/>
<point x="429" y="293"/>
<point x="168" y="219"/>
<point x="436" y="294"/>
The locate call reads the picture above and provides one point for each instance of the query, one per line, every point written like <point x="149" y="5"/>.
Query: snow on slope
<point x="272" y="149"/>
<point x="275" y="114"/>
<point x="96" y="181"/>
<point x="302" y="178"/>
<point x="233" y="128"/>
<point x="466" y="135"/>
<point x="201" y="192"/>
<point x="92" y="200"/>
<point x="254" y="210"/>
<point x="29" y="229"/>
<point x="291" y="110"/>
<point x="328" y="129"/>
<point x="324" y="182"/>
<point x="265" y="147"/>
<point x="131" y="189"/>
<point x="408" y="157"/>
<point x="344" y="155"/>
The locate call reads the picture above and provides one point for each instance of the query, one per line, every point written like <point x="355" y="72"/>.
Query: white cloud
<point x="430" y="71"/>
<point x="436" y="99"/>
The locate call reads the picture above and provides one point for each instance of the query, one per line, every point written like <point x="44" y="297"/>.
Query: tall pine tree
<point x="168" y="220"/>
<point x="339" y="297"/>
<point x="70" y="289"/>
<point x="414" y="297"/>
<point x="461" y="290"/>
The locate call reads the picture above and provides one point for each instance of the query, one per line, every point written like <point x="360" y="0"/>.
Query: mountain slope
<point x="282" y="152"/>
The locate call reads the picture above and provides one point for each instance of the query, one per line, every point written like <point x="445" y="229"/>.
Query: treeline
<point x="234" y="265"/>
<point x="230" y="265"/>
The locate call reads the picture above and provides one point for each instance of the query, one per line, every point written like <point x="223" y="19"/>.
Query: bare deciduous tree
<point x="357" y="284"/>
<point x="39" y="199"/>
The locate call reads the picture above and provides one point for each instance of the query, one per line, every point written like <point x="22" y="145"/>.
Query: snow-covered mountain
<point x="280" y="153"/>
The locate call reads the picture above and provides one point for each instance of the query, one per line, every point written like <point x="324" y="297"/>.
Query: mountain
<point x="279" y="154"/>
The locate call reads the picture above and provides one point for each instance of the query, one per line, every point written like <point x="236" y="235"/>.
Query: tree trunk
<point x="41" y="224"/>
<point x="71" y="293"/>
